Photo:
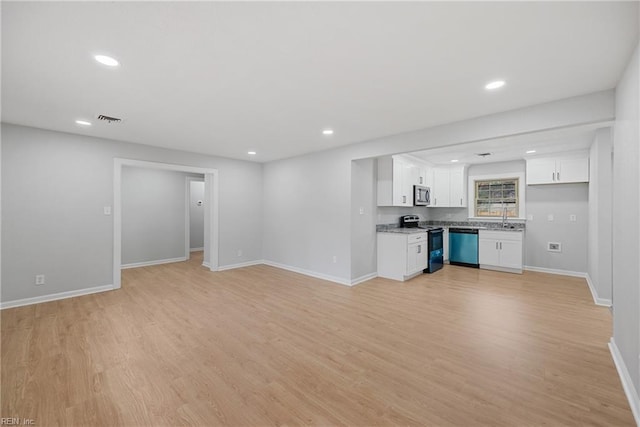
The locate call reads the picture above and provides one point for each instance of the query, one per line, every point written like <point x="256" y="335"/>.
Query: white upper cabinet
<point x="396" y="178"/>
<point x="558" y="170"/>
<point x="440" y="189"/>
<point x="458" y="187"/>
<point x="449" y="187"/>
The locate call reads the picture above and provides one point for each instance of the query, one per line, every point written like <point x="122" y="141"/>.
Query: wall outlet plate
<point x="572" y="218"/>
<point x="550" y="217"/>
<point x="39" y="279"/>
<point x="554" y="246"/>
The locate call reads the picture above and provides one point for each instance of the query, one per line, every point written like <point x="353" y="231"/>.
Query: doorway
<point x="194" y="215"/>
<point x="210" y="204"/>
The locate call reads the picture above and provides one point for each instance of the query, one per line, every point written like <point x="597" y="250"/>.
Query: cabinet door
<point x="541" y="171"/>
<point x="409" y="179"/>
<point x="489" y="252"/>
<point x="423" y="257"/>
<point x="440" y="190"/>
<point x="414" y="252"/>
<point x="396" y="182"/>
<point x="572" y="170"/>
<point x="458" y="185"/>
<point x="511" y="254"/>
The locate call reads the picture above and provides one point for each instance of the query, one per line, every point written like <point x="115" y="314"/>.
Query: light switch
<point x="361" y="211"/>
<point x="529" y="217"/>
<point x="550" y="217"/>
<point x="107" y="210"/>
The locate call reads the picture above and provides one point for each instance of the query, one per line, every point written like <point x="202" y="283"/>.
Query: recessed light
<point x="83" y="123"/>
<point x="531" y="151"/>
<point x="327" y="132"/>
<point x="454" y="161"/>
<point x="252" y="153"/>
<point x="107" y="60"/>
<point x="494" y="85"/>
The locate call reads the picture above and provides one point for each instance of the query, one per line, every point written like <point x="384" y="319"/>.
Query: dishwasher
<point x="463" y="247"/>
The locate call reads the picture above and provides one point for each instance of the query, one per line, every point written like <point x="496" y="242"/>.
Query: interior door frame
<point x="211" y="213"/>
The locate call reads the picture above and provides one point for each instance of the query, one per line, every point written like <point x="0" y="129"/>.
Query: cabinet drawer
<point x="418" y="237"/>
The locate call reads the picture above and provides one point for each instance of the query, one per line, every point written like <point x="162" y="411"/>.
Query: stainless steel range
<point x="434" y="242"/>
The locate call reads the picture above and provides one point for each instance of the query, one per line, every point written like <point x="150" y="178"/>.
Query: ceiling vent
<point x="483" y="155"/>
<point x="109" y="119"/>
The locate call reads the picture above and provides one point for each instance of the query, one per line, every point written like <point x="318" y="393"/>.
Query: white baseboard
<point x="556" y="271"/>
<point x="310" y="273"/>
<point x="55" y="297"/>
<point x="206" y="264"/>
<point x="196" y="249"/>
<point x="240" y="265"/>
<point x="149" y="263"/>
<point x="596" y="299"/>
<point x="363" y="278"/>
<point x="627" y="383"/>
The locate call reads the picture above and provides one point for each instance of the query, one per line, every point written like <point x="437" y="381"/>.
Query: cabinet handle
<point x="404" y="199"/>
<point x="460" y="202"/>
<point x="558" y="176"/>
<point x="553" y="176"/>
<point x="419" y="249"/>
<point x="421" y="180"/>
<point x="435" y="200"/>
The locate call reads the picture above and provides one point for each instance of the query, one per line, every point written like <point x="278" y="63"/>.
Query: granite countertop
<point x="479" y="225"/>
<point x="403" y="230"/>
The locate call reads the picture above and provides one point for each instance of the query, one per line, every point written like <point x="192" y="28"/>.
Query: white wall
<point x="54" y="188"/>
<point x="600" y="211"/>
<point x="196" y="215"/>
<point x="153" y="215"/>
<point x="363" y="218"/>
<point x="626" y="225"/>
<point x="559" y="200"/>
<point x="307" y="213"/>
<point x="307" y="199"/>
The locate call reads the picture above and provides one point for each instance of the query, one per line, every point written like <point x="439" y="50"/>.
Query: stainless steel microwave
<point x="421" y="195"/>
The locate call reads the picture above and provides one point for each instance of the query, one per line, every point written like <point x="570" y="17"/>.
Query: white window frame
<point x="497" y="176"/>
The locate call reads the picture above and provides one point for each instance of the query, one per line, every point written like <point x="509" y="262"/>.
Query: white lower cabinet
<point x="500" y="250"/>
<point x="401" y="256"/>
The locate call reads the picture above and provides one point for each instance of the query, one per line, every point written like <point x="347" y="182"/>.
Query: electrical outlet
<point x="239" y="252"/>
<point x="554" y="247"/>
<point x="39" y="279"/>
<point x="107" y="210"/>
<point x="550" y="217"/>
<point x="335" y="259"/>
<point x="572" y="218"/>
<point x="529" y="217"/>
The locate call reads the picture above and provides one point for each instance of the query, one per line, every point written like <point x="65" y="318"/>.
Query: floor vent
<point x="109" y="119"/>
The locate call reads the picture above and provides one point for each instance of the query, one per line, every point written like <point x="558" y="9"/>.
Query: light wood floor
<point x="178" y="345"/>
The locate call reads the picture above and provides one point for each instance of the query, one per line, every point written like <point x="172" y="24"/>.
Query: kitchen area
<point x="482" y="208"/>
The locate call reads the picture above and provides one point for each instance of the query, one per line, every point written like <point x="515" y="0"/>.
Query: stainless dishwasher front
<point x="463" y="247"/>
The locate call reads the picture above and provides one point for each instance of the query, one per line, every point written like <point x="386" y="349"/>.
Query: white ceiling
<point x="224" y="78"/>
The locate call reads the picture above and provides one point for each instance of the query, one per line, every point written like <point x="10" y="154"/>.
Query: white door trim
<point x="211" y="185"/>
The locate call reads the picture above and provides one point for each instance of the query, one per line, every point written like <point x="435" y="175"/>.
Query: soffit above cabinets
<point x="513" y="148"/>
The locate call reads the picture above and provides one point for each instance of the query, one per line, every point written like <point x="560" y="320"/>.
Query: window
<point x="495" y="195"/>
